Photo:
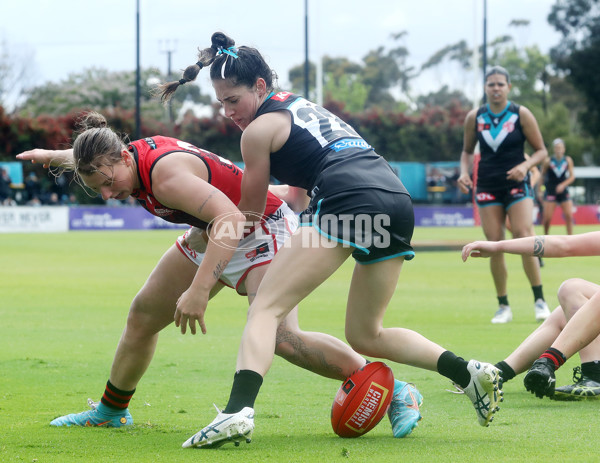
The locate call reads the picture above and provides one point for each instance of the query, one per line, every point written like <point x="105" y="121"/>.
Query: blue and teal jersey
<point x="557" y="173"/>
<point x="501" y="142"/>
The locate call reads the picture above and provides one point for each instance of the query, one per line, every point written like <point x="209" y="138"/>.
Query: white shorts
<point x="254" y="250"/>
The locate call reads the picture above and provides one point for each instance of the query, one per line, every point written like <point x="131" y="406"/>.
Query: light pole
<point x="306" y="63"/>
<point x="484" y="50"/>
<point x="138" y="89"/>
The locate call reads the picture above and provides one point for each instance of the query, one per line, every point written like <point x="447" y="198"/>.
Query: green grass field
<point x="63" y="303"/>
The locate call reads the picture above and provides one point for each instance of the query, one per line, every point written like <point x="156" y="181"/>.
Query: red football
<point x="362" y="400"/>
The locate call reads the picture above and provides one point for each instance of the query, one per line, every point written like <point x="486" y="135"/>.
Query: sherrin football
<point x="362" y="400"/>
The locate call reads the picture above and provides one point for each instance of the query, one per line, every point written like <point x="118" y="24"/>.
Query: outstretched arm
<point x="54" y="158"/>
<point x="585" y="244"/>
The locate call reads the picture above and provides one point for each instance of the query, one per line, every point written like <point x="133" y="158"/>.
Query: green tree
<point x="578" y="54"/>
<point x="100" y="89"/>
<point x="527" y="68"/>
<point x="444" y="98"/>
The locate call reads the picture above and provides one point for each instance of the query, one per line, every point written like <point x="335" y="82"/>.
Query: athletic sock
<point x="538" y="293"/>
<point x="557" y="357"/>
<point x="506" y="371"/>
<point x="115" y="398"/>
<point x="503" y="300"/>
<point x="246" y="384"/>
<point x="591" y="370"/>
<point x="455" y="368"/>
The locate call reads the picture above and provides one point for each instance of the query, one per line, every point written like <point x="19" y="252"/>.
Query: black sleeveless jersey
<point x="558" y="172"/>
<point x="501" y="142"/>
<point x="324" y="151"/>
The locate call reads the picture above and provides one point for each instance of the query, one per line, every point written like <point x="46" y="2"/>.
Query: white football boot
<point x="503" y="314"/>
<point x="541" y="310"/>
<point x="224" y="428"/>
<point x="483" y="390"/>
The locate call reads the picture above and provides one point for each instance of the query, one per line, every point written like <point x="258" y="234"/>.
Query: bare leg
<point x="567" y="208"/>
<point x="522" y="357"/>
<point x="151" y="310"/>
<point x="547" y="217"/>
<point x="279" y="293"/>
<point x="492" y="222"/>
<point x="582" y="310"/>
<point x="320" y="353"/>
<point x="370" y="292"/>
<point x="521" y="221"/>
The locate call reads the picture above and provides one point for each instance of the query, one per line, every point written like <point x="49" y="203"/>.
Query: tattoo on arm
<point x="212" y="193"/>
<point x="219" y="269"/>
<point x="538" y="246"/>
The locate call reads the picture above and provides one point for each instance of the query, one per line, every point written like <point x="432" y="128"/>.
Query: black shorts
<point x="379" y="224"/>
<point x="505" y="196"/>
<point x="553" y="196"/>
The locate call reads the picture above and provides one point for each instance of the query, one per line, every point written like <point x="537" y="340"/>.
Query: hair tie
<point x="199" y="64"/>
<point x="231" y="51"/>
<point x="182" y="81"/>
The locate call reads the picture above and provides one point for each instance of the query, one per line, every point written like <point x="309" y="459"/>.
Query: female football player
<point x="358" y="207"/>
<point x="503" y="189"/>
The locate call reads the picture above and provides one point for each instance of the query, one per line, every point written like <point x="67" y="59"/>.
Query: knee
<point x="139" y="322"/>
<point x="286" y="341"/>
<point x="569" y="295"/>
<point x="521" y="232"/>
<point x="362" y="341"/>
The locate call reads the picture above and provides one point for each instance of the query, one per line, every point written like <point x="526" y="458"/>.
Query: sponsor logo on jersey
<point x="260" y="251"/>
<point x="509" y="126"/>
<point x="350" y="143"/>
<point x="150" y="142"/>
<point x="162" y="212"/>
<point x="281" y="96"/>
<point x="481" y="127"/>
<point x="516" y="192"/>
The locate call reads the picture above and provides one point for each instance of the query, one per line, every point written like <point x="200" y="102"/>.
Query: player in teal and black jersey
<point x="502" y="189"/>
<point x="558" y="174"/>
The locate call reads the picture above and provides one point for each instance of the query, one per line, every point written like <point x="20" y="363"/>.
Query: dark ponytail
<point x="242" y="66"/>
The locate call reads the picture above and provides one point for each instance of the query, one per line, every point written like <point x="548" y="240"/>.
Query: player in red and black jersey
<point x="184" y="184"/>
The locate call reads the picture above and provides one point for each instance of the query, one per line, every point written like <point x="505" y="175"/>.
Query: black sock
<point x="506" y="371"/>
<point x="503" y="300"/>
<point x="455" y="368"/>
<point x="115" y="398"/>
<point x="591" y="370"/>
<point x="246" y="384"/>
<point x="538" y="293"/>
<point x="557" y="357"/>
